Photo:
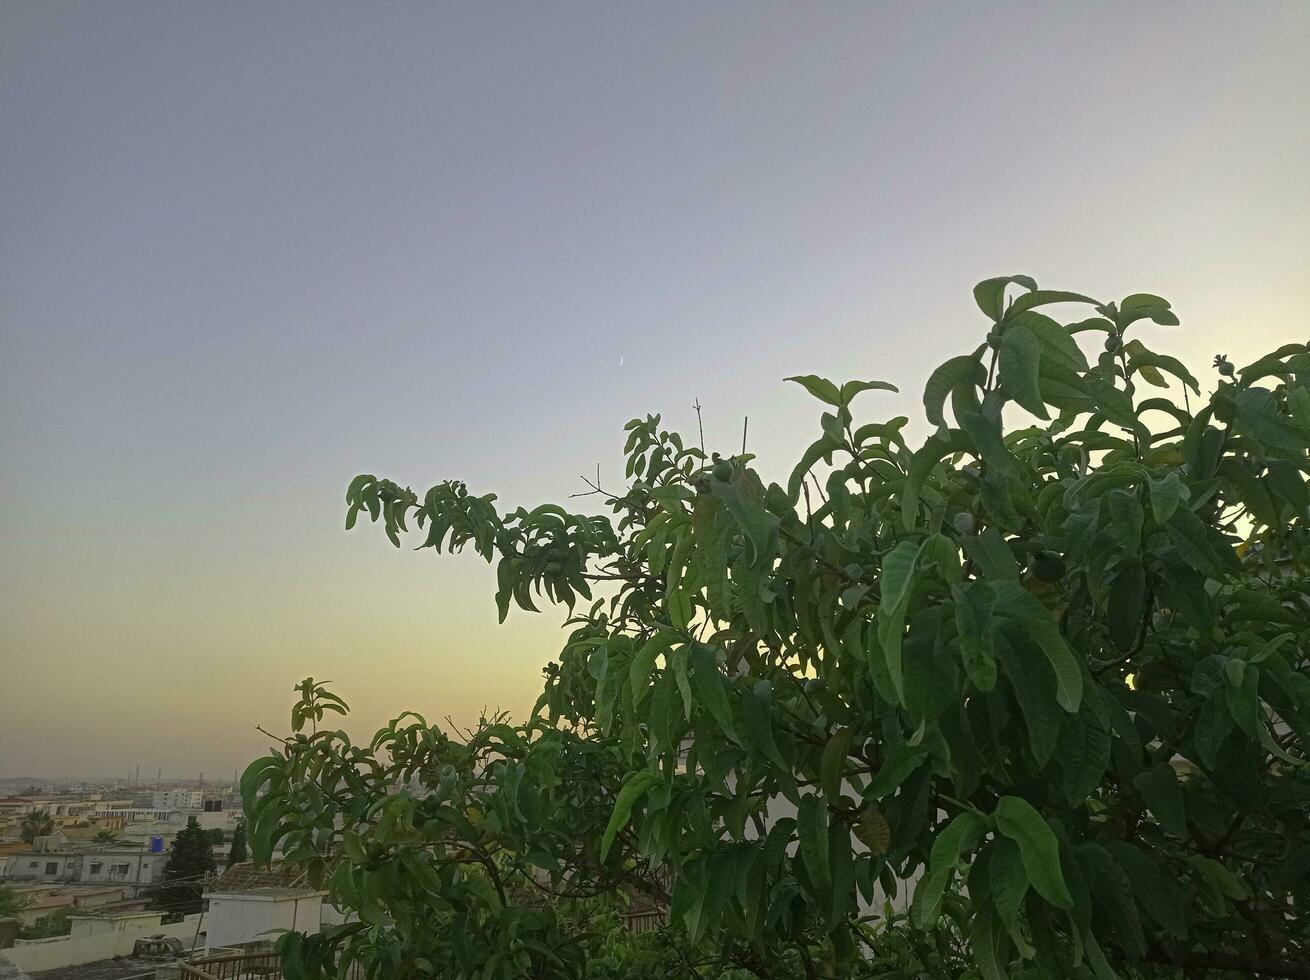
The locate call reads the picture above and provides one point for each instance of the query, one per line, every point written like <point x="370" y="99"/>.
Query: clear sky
<point x="250" y="250"/>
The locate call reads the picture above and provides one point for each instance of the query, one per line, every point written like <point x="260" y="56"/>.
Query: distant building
<point x="116" y="864"/>
<point x="44" y="899"/>
<point x="179" y="799"/>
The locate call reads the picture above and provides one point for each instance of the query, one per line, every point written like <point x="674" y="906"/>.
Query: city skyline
<point x="246" y="255"/>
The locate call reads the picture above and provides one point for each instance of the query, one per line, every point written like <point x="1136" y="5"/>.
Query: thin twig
<point x="276" y="738"/>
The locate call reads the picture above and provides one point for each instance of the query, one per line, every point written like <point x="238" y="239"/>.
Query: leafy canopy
<point x="1043" y="676"/>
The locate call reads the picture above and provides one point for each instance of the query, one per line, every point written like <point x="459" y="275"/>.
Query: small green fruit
<point x="723" y="471"/>
<point x="1113" y="342"/>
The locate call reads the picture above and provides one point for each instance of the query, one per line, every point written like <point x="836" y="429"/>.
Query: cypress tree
<point x="190" y="862"/>
<point x="237" y="853"/>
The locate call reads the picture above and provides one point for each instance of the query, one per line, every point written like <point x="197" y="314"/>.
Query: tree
<point x="105" y="837"/>
<point x="10" y="902"/>
<point x="215" y="836"/>
<point x="56" y="923"/>
<point x="1046" y="672"/>
<point x="237" y="853"/>
<point x="190" y="863"/>
<point x="36" y="823"/>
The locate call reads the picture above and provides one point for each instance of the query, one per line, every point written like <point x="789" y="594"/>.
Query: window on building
<point x="95" y="867"/>
<point x="51" y="868"/>
<point x="36" y="864"/>
<point x="122" y="868"/>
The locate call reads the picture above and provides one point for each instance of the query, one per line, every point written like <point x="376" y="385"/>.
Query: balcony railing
<point x="242" y="966"/>
<point x="268" y="966"/>
<point x="647" y="920"/>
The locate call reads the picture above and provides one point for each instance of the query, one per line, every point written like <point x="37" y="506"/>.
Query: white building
<point x="179" y="799"/>
<point x="109" y="865"/>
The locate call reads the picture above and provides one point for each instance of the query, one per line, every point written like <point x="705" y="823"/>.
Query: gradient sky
<point x="250" y="250"/>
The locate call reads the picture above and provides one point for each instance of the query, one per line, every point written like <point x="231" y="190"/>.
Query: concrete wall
<point x="52" y="954"/>
<point x="241" y="917"/>
<point x="33" y="866"/>
<point x="119" y="867"/>
<point x="108" y="866"/>
<point x="85" y="926"/>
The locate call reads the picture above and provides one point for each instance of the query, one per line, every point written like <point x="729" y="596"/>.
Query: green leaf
<point x="1224" y="880"/>
<point x="1017" y="820"/>
<point x="1156" y="891"/>
<point x="1044" y="297"/>
<point x="833" y="760"/>
<point x="1143" y="305"/>
<point x="1019" y="368"/>
<point x="1008" y="880"/>
<point x="1033" y="681"/>
<point x="897" y="583"/>
<point x="1126" y="607"/>
<point x="820" y="388"/>
<point x="1057" y="345"/>
<point x="902" y="760"/>
<point x="1258" y="412"/>
<point x="1200" y="545"/>
<point x="707" y="682"/>
<point x="757" y="524"/>
<point x="637" y="785"/>
<point x="1149" y="363"/>
<point x="822" y="449"/>
<point x="974" y="602"/>
<point x="1113" y="403"/>
<point x="1084" y="753"/>
<point x="934" y="449"/>
<point x="926" y="908"/>
<point x="757" y="716"/>
<point x="679" y="605"/>
<point x="852" y="388"/>
<point x="1163" y="797"/>
<point x="1288" y="483"/>
<point x="1166" y="495"/>
<point x="963" y="370"/>
<point x="987" y="942"/>
<point x="1014" y="601"/>
<point x="959" y="837"/>
<point x="1113" y="894"/>
<point x="928" y="894"/>
<point x="812" y="826"/>
<point x="643" y="662"/>
<point x="1213" y="726"/>
<point x="990" y="293"/>
<point x="992" y="556"/>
